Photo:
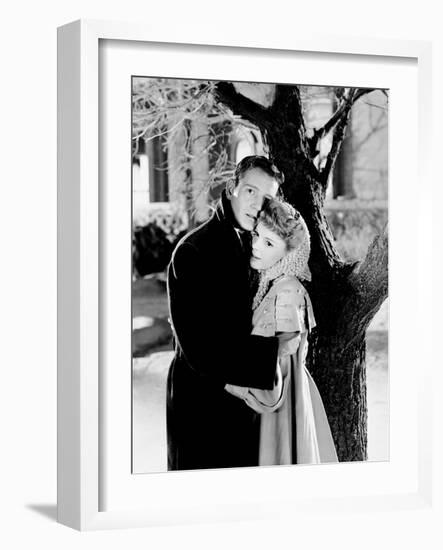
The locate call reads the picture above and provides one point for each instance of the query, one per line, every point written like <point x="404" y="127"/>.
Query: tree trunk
<point x="340" y="374"/>
<point x="345" y="296"/>
<point x="200" y="168"/>
<point x="188" y="193"/>
<point x="339" y="369"/>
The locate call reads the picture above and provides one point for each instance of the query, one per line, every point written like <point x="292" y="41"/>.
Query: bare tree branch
<point x="346" y="102"/>
<point x="340" y="124"/>
<point x="381" y="107"/>
<point x="360" y="92"/>
<point x="320" y="133"/>
<point x="337" y="141"/>
<point x="239" y="104"/>
<point x="376" y="261"/>
<point x="160" y="133"/>
<point x="369" y="281"/>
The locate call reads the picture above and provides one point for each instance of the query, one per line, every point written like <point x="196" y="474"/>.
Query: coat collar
<point x="225" y="216"/>
<point x="224" y="212"/>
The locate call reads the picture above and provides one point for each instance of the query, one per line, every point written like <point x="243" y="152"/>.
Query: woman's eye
<point x="268" y="243"/>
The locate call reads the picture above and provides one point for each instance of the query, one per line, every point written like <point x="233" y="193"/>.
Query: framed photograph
<point x="156" y="136"/>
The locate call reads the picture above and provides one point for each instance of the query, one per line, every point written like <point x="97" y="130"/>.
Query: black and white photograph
<point x="259" y="274"/>
<point x="207" y="343"/>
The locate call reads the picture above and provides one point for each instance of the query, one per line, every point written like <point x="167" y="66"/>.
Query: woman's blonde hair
<point x="284" y="220"/>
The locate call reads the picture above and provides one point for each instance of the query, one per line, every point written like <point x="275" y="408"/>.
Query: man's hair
<point x="257" y="161"/>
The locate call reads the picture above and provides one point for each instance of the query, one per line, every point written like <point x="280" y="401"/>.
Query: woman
<point x="294" y="426"/>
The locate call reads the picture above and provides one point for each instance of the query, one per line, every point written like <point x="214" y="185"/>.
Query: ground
<point x="152" y="357"/>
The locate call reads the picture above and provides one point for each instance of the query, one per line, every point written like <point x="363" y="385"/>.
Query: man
<point x="211" y="313"/>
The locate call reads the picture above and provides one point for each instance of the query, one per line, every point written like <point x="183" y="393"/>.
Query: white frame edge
<point x="78" y="388"/>
<point x="68" y="281"/>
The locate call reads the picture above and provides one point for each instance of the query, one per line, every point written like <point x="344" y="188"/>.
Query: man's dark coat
<point x="210" y="307"/>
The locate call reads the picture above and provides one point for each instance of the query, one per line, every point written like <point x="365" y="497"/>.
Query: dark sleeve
<point x="211" y="336"/>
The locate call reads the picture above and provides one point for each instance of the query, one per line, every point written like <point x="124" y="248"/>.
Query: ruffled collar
<point x="292" y="264"/>
<point x="286" y="266"/>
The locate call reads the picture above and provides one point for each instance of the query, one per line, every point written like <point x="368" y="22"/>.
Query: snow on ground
<point x="149" y="412"/>
<point x="149" y="401"/>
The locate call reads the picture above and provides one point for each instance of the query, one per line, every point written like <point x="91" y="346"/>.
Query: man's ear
<point x="230" y="186"/>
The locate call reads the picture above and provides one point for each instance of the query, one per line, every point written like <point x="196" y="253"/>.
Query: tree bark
<point x="188" y="174"/>
<point x="340" y="374"/>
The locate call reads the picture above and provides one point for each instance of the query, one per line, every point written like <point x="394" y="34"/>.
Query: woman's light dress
<point x="294" y="426"/>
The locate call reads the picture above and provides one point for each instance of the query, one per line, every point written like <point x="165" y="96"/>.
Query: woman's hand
<point x="288" y="343"/>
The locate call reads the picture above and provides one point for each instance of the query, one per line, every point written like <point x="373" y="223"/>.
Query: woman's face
<point x="267" y="247"/>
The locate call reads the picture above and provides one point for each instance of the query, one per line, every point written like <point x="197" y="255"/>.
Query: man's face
<point x="247" y="198"/>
